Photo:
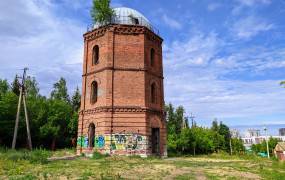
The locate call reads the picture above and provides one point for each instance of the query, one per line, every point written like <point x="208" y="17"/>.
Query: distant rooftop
<point x="124" y="15"/>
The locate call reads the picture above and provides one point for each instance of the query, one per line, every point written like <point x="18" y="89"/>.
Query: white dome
<point x="126" y="15"/>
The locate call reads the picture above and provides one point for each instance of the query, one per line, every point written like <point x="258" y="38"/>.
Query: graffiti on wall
<point x="119" y="141"/>
<point x="129" y="142"/>
<point x="82" y="141"/>
<point x="99" y="141"/>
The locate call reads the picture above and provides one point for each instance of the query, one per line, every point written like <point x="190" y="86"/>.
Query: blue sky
<point x="222" y="59"/>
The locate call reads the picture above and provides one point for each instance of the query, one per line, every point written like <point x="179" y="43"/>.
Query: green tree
<point x="53" y="122"/>
<point x="8" y="107"/>
<point x="75" y="100"/>
<point x="16" y="86"/>
<point x="170" y="118"/>
<point x="272" y="142"/>
<point x="215" y="125"/>
<point x="4" y="87"/>
<point x="179" y="119"/>
<point x="204" y="140"/>
<point x="237" y="146"/>
<point x="59" y="115"/>
<point x="101" y="11"/>
<point x="31" y="86"/>
<point x="224" y="131"/>
<point x="60" y="91"/>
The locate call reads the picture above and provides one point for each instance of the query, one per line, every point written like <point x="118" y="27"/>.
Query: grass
<point x="35" y="156"/>
<point x="34" y="165"/>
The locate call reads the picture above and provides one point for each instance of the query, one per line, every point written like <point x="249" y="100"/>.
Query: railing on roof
<point x="130" y="20"/>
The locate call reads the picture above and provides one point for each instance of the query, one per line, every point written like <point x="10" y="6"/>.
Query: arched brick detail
<point x="155" y="122"/>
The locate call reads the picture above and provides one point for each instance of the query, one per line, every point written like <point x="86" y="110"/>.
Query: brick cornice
<point x="122" y="69"/>
<point x="121" y="109"/>
<point x="122" y="29"/>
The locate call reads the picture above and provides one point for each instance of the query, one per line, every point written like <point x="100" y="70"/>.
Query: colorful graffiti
<point x="119" y="142"/>
<point x="82" y="141"/>
<point x="100" y="141"/>
<point x="129" y="142"/>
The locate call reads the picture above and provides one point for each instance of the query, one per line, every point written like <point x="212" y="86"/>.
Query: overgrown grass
<point x="33" y="165"/>
<point x="35" y="156"/>
<point x="64" y="152"/>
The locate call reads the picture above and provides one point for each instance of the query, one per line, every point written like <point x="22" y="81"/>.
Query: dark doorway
<point x="155" y="141"/>
<point x="91" y="135"/>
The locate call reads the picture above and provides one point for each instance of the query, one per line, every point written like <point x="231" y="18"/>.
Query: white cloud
<point x="242" y="4"/>
<point x="249" y="27"/>
<point x="253" y="2"/>
<point x="213" y="6"/>
<point x="196" y="51"/>
<point x="32" y="35"/>
<point x="252" y="59"/>
<point x="203" y="88"/>
<point x="171" y="22"/>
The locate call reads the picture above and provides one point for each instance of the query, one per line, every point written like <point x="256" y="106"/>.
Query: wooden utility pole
<point x="231" y="148"/>
<point x="22" y="96"/>
<point x="192" y="120"/>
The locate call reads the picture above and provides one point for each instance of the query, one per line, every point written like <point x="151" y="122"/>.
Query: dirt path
<point x="200" y="175"/>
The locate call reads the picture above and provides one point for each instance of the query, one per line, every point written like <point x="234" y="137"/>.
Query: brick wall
<point x="124" y="76"/>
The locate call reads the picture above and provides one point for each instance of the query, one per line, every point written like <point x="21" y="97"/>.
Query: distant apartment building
<point x="253" y="136"/>
<point x="252" y="133"/>
<point x="282" y="132"/>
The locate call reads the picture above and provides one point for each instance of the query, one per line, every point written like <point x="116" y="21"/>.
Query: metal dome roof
<point x="124" y="15"/>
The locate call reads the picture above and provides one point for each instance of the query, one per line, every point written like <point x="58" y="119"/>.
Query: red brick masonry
<point x="124" y="115"/>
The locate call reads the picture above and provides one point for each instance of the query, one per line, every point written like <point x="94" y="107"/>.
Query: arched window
<point x="152" y="57"/>
<point x="153" y="93"/>
<point x="95" y="57"/>
<point x="91" y="135"/>
<point x="94" y="92"/>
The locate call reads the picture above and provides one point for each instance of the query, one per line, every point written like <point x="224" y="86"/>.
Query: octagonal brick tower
<point x="122" y="88"/>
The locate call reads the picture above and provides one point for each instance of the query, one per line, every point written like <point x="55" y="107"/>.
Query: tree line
<point x="185" y="139"/>
<point x="53" y="119"/>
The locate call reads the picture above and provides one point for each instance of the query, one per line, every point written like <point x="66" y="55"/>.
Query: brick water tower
<point x="122" y="88"/>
